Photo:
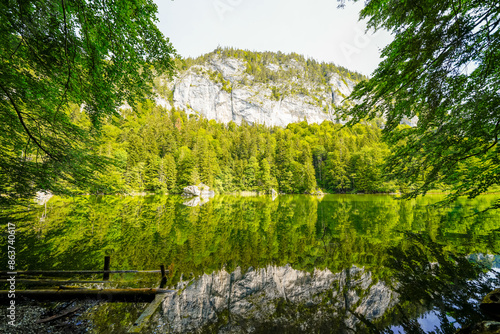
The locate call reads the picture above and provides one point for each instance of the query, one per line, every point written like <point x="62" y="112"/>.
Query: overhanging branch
<point x="18" y="112"/>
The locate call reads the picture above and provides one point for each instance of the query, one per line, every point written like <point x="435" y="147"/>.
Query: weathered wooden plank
<point x="109" y="295"/>
<point x="71" y="272"/>
<point x="142" y="321"/>
<point x="35" y="281"/>
<point x="60" y="315"/>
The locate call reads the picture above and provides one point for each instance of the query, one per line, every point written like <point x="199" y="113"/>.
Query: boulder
<point x="203" y="187"/>
<point x="191" y="191"/>
<point x="43" y="196"/>
<point x="199" y="190"/>
<point x="205" y="190"/>
<point x="490" y="305"/>
<point x="317" y="192"/>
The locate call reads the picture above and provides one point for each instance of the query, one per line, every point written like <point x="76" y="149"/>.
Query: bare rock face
<point x="221" y="89"/>
<point x="274" y="296"/>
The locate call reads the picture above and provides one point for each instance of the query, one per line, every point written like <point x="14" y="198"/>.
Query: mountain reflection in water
<point x="420" y="296"/>
<point x="277" y="299"/>
<point x="297" y="264"/>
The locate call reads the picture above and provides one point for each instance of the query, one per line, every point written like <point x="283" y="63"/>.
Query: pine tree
<point x="265" y="176"/>
<point x="251" y="172"/>
<point x="309" y="177"/>
<point x="169" y="172"/>
<point x="187" y="173"/>
<point x="152" y="174"/>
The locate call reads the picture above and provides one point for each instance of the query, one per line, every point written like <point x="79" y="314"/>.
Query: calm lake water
<point x="296" y="264"/>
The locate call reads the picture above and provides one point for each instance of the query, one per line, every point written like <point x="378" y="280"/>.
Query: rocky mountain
<point x="257" y="87"/>
<point x="275" y="297"/>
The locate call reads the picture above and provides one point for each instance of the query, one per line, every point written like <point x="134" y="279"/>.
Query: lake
<point x="295" y="264"/>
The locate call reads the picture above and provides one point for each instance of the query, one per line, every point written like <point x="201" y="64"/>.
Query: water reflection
<point x="196" y="201"/>
<point x="426" y="288"/>
<point x="295" y="264"/>
<point x="272" y="298"/>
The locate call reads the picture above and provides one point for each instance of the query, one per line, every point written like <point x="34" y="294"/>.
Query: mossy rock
<point x="490" y="305"/>
<point x="485" y="327"/>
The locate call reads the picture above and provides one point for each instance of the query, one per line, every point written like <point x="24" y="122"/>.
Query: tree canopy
<point x="442" y="67"/>
<point x="62" y="61"/>
<point x="158" y="150"/>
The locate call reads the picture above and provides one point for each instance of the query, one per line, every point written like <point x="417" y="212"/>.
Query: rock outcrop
<point x="191" y="191"/>
<point x="222" y="90"/>
<point x="201" y="190"/>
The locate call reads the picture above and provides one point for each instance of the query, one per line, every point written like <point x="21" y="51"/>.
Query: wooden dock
<point x="154" y="296"/>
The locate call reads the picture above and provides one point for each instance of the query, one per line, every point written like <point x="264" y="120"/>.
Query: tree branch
<point x="17" y="48"/>
<point x="66" y="86"/>
<point x="18" y="112"/>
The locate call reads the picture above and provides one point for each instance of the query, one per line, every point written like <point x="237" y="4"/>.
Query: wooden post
<point x="107" y="260"/>
<point x="163" y="282"/>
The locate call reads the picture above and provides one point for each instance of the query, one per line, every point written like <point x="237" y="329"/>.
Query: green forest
<point x="65" y="72"/>
<point x="155" y="150"/>
<point x="87" y="110"/>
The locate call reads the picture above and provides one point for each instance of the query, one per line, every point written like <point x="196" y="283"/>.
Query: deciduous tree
<point x="93" y="55"/>
<point x="442" y="67"/>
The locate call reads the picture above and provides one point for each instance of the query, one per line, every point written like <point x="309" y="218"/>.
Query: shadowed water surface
<point x="338" y="263"/>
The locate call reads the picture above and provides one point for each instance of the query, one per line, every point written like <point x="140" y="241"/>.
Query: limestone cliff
<point x="226" y="88"/>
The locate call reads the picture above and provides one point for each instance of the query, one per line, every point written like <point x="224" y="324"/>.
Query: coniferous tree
<point x="168" y="172"/>
<point x="152" y="173"/>
<point x="251" y="173"/>
<point x="265" y="175"/>
<point x="187" y="173"/>
<point x="309" y="177"/>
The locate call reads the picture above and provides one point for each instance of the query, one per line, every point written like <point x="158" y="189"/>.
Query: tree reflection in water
<point x="299" y="263"/>
<point x="450" y="284"/>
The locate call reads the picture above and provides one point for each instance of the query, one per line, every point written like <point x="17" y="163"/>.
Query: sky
<point x="313" y="28"/>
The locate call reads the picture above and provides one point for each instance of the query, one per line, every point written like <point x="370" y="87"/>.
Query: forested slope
<point x="157" y="150"/>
